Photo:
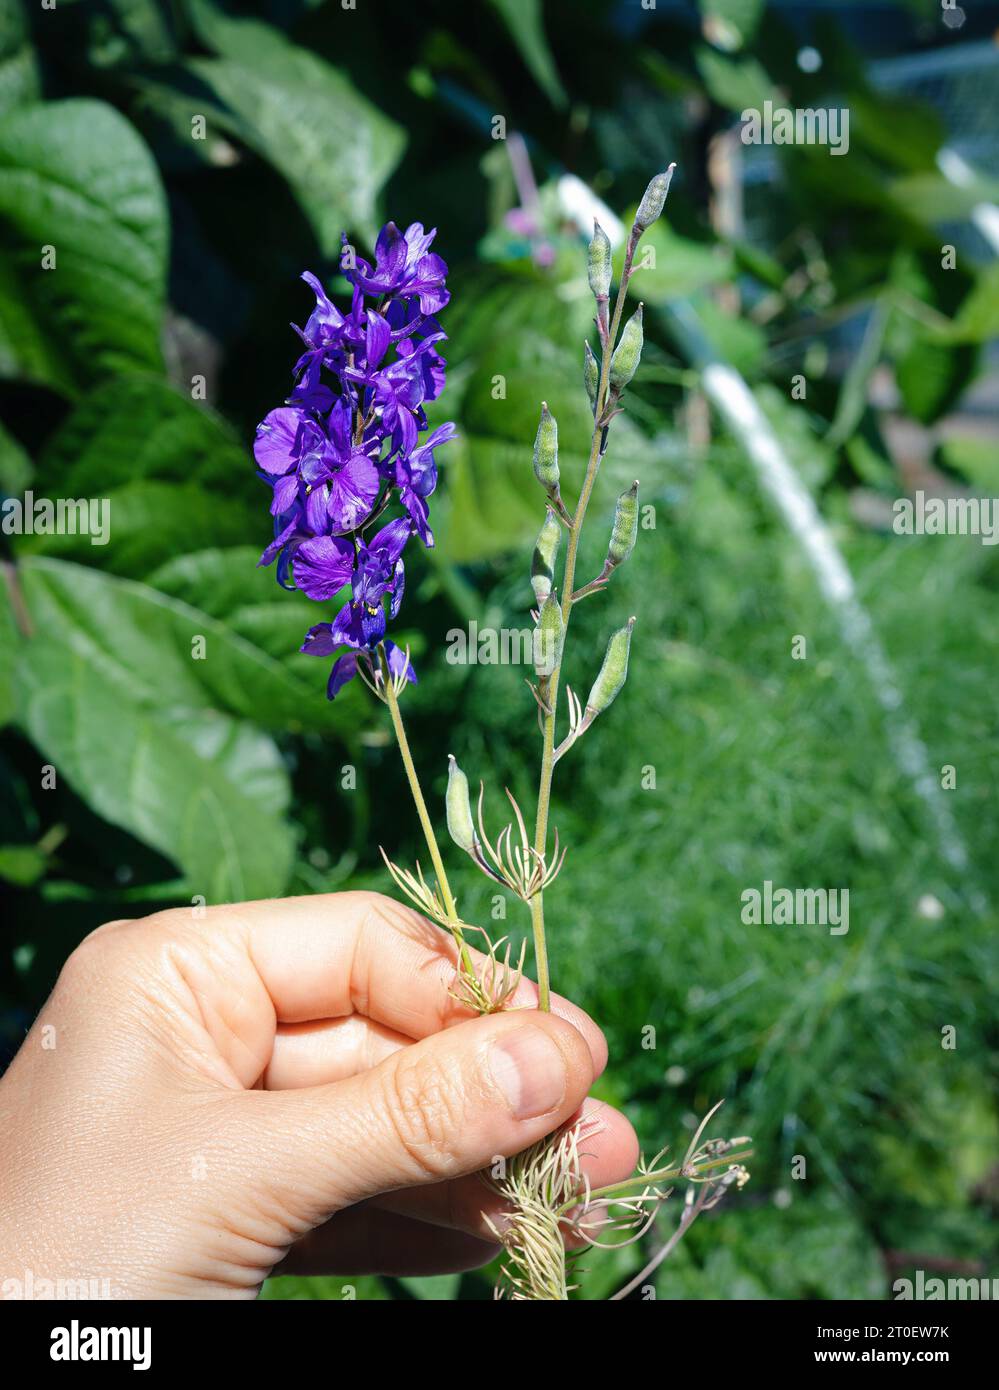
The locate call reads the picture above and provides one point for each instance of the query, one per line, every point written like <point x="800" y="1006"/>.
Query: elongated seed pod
<point x="654" y="199"/>
<point x="459" y="808"/>
<point x="546" y="450"/>
<point x="624" y="532"/>
<point x="628" y="353"/>
<point x="545" y="554"/>
<point x="591" y="374"/>
<point x="548" y="637"/>
<point x="599" y="267"/>
<point x="613" y="672"/>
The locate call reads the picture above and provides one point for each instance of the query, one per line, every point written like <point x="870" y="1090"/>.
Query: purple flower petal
<point x="285" y="493"/>
<point x="317" y="515"/>
<point x="280" y="540"/>
<point x="398" y="663"/>
<point x="352" y="492"/>
<point x="319" y="641"/>
<point x="275" y="447"/>
<point x="344" y="671"/>
<point x="391" y="540"/>
<point x="322" y="566"/>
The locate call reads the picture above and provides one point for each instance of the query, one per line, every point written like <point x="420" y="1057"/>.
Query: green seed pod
<point x="628" y="353"/>
<point x="543" y="559"/>
<point x="459" y="807"/>
<point x="600" y="262"/>
<point x="546" y="450"/>
<point x="653" y="199"/>
<point x="591" y="374"/>
<point x="548" y="637"/>
<point x="613" y="673"/>
<point x="624" y="532"/>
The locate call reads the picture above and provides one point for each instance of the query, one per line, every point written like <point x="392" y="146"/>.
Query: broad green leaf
<point x="228" y="585"/>
<point x="168" y="473"/>
<point x="669" y="266"/>
<point x="491" y="501"/>
<point x="149" y="644"/>
<point x="141" y="748"/>
<point x="75" y="177"/>
<point x="524" y="19"/>
<point x="738" y="84"/>
<point x="978" y="317"/>
<point x="147" y="523"/>
<point x="141" y="428"/>
<point x="149" y="774"/>
<point x="303" y="116"/>
<point x="738" y="341"/>
<point x="931" y="375"/>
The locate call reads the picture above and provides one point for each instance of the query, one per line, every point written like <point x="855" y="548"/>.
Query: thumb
<point x="448" y="1105"/>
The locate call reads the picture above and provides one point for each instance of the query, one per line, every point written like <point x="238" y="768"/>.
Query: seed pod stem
<point x="546" y="451"/>
<point x="624" y="531"/>
<point x="599" y="271"/>
<point x="628" y="353"/>
<point x="460" y="825"/>
<point x="545" y="553"/>
<point x="548" y="637"/>
<point x="612" y="675"/>
<point x="653" y="200"/>
<point x="591" y="375"/>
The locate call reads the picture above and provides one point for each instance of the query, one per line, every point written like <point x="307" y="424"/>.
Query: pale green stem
<point x="568" y="580"/>
<point x="454" y="921"/>
<point x="661" y="1175"/>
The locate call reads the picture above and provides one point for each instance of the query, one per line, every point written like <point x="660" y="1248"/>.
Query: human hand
<point x="276" y="1083"/>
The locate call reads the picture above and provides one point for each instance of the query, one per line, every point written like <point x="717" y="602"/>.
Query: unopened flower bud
<point x="613" y="673"/>
<point x="548" y="637"/>
<point x="624" y="532"/>
<point x="628" y="353"/>
<point x="591" y="374"/>
<point x="599" y="268"/>
<point x="543" y="559"/>
<point x="459" y="808"/>
<point x="653" y="199"/>
<point x="546" y="450"/>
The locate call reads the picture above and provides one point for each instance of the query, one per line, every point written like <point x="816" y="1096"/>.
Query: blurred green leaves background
<point x="137" y="369"/>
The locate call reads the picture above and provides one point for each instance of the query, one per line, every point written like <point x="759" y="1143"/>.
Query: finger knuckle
<point x="426" y="1106"/>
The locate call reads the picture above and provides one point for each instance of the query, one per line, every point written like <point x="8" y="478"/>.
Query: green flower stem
<point x="568" y="578"/>
<point x="454" y="921"/>
<point x="661" y="1175"/>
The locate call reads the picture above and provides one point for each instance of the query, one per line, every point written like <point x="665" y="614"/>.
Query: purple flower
<point x="348" y="443"/>
<point x="322" y="566"/>
<point x="345" y="668"/>
<point x="405" y="267"/>
<point x="416" y="478"/>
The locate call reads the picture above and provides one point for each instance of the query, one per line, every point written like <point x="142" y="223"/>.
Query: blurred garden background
<point x="186" y="161"/>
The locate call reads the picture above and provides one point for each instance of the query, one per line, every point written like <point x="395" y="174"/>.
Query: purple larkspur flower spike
<point x="351" y="441"/>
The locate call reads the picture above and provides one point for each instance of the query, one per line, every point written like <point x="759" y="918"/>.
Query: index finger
<point x="334" y="954"/>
